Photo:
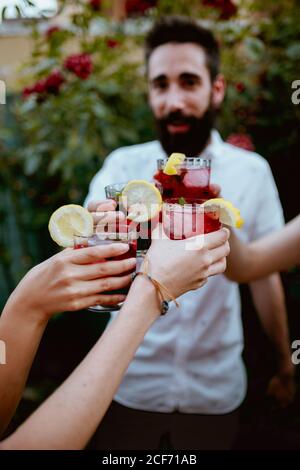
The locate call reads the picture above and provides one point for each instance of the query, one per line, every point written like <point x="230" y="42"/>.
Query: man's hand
<point x="214" y="191"/>
<point x="104" y="213"/>
<point x="282" y="386"/>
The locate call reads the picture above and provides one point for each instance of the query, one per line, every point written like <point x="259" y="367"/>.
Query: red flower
<point x="240" y="87"/>
<point x="39" y="87"/>
<point x="27" y="91"/>
<point x="80" y="64"/>
<point x="243" y="141"/>
<point x="50" y="84"/>
<point x="52" y="30"/>
<point x="95" y="4"/>
<point x="227" y="7"/>
<point x="112" y="43"/>
<point x="54" y="81"/>
<point x="139" y="6"/>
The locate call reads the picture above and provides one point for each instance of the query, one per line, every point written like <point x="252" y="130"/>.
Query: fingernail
<point x="226" y="230"/>
<point x="111" y="201"/>
<point x="131" y="261"/>
<point x="123" y="247"/>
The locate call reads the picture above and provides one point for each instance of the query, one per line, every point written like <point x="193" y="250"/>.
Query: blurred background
<point x="75" y="90"/>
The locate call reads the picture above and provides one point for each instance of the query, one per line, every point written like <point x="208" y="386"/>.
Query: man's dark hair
<point x="181" y="29"/>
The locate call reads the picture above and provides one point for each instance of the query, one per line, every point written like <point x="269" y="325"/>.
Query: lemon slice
<point x="69" y="220"/>
<point x="142" y="200"/>
<point x="229" y="215"/>
<point x="173" y="160"/>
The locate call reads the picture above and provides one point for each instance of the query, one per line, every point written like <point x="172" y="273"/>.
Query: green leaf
<point x="3" y="13"/>
<point x="181" y="201"/>
<point x="18" y="10"/>
<point x="293" y="51"/>
<point x="32" y="164"/>
<point x="255" y="48"/>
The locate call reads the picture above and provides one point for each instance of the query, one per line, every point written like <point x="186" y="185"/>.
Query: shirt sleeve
<point x="269" y="214"/>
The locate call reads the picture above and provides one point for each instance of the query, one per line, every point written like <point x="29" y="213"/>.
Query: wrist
<point x="144" y="292"/>
<point x="22" y="310"/>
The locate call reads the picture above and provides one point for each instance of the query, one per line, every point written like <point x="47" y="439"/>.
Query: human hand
<point x="214" y="191"/>
<point x="282" y="386"/>
<point x="104" y="213"/>
<point x="73" y="280"/>
<point x="181" y="269"/>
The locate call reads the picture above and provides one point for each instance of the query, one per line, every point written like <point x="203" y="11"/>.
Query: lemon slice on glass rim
<point x="173" y="160"/>
<point x="70" y="220"/>
<point x="228" y="214"/>
<point x="142" y="200"/>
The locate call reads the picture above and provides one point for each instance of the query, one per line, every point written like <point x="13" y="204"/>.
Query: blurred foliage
<point x="55" y="135"/>
<point x="73" y="110"/>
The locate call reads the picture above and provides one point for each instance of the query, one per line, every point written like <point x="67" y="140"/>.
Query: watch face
<point x="164" y="307"/>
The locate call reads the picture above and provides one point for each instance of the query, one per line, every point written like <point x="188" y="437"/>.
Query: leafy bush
<point x="84" y="95"/>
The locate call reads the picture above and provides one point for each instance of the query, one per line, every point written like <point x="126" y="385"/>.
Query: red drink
<point x="191" y="181"/>
<point x="144" y="229"/>
<point x="188" y="220"/>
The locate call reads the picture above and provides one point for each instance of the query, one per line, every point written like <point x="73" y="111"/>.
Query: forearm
<point x="280" y="250"/>
<point x="22" y="336"/>
<point x="268" y="296"/>
<point x="71" y="415"/>
<point x="275" y="252"/>
<point x="240" y="262"/>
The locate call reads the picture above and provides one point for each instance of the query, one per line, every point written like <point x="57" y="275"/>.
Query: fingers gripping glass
<point x="123" y="235"/>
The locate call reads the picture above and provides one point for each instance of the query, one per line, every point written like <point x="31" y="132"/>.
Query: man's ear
<point x="218" y="90"/>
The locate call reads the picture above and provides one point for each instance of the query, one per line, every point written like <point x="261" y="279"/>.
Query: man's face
<point x="180" y="96"/>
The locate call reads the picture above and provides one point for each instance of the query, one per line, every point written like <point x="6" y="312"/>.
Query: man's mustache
<point x="177" y="118"/>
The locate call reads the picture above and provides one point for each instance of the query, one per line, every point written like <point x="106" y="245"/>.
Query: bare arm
<point x="86" y="394"/>
<point x="62" y="283"/>
<point x="268" y="297"/>
<point x="69" y="417"/>
<point x="275" y="252"/>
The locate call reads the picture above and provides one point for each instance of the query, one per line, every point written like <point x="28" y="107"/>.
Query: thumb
<point x="215" y="190"/>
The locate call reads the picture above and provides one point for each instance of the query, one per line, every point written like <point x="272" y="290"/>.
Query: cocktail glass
<point x="181" y="221"/>
<point x="122" y="235"/>
<point x="191" y="181"/>
<point x="114" y="191"/>
<point x="144" y="229"/>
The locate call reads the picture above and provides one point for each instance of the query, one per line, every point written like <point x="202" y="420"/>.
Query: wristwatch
<point x="164" y="307"/>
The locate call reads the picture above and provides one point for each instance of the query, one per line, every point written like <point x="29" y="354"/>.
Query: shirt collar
<point x="212" y="149"/>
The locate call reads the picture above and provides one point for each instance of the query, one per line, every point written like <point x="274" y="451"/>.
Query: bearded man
<point x="187" y="381"/>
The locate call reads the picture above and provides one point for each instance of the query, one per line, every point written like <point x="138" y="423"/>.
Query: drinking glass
<point x="144" y="229"/>
<point x="181" y="221"/>
<point x="191" y="181"/>
<point x="99" y="237"/>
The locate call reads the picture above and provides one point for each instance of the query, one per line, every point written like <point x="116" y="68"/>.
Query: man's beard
<point x="192" y="142"/>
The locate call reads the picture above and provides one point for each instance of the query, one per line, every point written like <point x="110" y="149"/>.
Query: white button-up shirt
<point x="190" y="359"/>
